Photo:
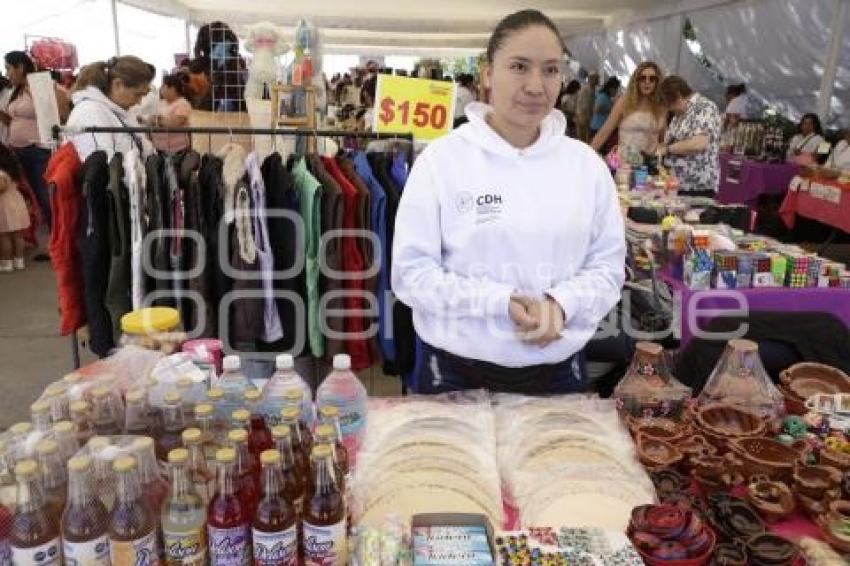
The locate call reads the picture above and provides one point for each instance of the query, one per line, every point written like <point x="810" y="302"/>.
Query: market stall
<point x="824" y="200"/>
<point x="743" y="180"/>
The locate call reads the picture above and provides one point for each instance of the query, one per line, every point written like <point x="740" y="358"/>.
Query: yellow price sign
<point x="422" y="107"/>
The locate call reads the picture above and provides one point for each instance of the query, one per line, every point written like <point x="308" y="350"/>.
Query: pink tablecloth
<point x="776" y="299"/>
<point x="743" y="180"/>
<point x="816" y="199"/>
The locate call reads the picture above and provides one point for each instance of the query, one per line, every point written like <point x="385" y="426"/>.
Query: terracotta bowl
<point x="694" y="445"/>
<point x="773" y="500"/>
<point x="771" y="549"/>
<point x="721" y="423"/>
<point x="840" y="460"/>
<point x="815" y="509"/>
<point x="814" y="481"/>
<point x="763" y="456"/>
<point x="807" y="379"/>
<point x="655" y="454"/>
<point x="838" y="512"/>
<point x="658" y="428"/>
<point x="669" y="483"/>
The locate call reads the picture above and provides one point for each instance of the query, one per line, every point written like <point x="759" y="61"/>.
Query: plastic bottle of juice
<point x="294" y="484"/>
<point x="233" y="383"/>
<point x="34" y="539"/>
<point x="215" y="397"/>
<point x="85" y="539"/>
<point x="284" y="378"/>
<point x="325" y="536"/>
<point x="289" y="419"/>
<point x="245" y="468"/>
<point x="228" y="522"/>
<point x="329" y="415"/>
<point x="325" y="434"/>
<point x="275" y="525"/>
<point x="132" y="524"/>
<point x="210" y="433"/>
<point x="202" y="479"/>
<point x="292" y="398"/>
<point x="260" y="435"/>
<point x="173" y="425"/>
<point x="184" y="516"/>
<point x="154" y="487"/>
<point x="342" y="389"/>
<point x="53" y="478"/>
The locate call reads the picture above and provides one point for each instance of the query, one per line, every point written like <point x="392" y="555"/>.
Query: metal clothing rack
<point x="231" y="131"/>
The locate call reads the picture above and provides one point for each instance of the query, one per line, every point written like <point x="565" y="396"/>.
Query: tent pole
<point x="830" y="66"/>
<point x="681" y="43"/>
<point x="188" y="25"/>
<point x="114" y="5"/>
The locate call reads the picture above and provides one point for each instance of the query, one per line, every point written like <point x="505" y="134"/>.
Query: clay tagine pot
<point x="767" y="549"/>
<point x="814" y="481"/>
<point x="773" y="500"/>
<point x="764" y="456"/>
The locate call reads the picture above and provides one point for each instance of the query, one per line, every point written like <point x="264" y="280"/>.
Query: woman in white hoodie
<point x="103" y="95"/>
<point x="509" y="244"/>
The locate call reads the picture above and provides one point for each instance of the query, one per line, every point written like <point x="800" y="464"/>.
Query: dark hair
<point x="19" y="59"/>
<point x="132" y="71"/>
<point x="518" y="21"/>
<point x="368" y="88"/>
<point x="9" y="163"/>
<point x="611" y="86"/>
<point x="572" y="87"/>
<point x="672" y="88"/>
<point x="736" y="90"/>
<point x="177" y="81"/>
<point x="815" y="120"/>
<point x="466" y="80"/>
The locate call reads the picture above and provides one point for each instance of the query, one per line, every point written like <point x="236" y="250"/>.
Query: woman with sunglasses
<point x="639" y="114"/>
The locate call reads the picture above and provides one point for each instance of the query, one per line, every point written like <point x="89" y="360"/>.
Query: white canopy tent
<point x="791" y="53"/>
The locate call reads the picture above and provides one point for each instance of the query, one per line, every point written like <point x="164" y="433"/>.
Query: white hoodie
<point x="93" y="108"/>
<point x="480" y="219"/>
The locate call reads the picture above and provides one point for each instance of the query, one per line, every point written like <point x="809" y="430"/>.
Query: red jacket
<point x="65" y="201"/>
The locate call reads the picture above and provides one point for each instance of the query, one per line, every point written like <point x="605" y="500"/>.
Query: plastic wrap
<point x="427" y="454"/>
<point x="649" y="389"/>
<point x="568" y="461"/>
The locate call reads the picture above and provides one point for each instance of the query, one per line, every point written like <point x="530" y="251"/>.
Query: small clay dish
<point x="767" y="549"/>
<point x="840" y="460"/>
<point x="669" y="483"/>
<point x="814" y="481"/>
<point x="658" y="428"/>
<point x="814" y="509"/>
<point x="721" y="423"/>
<point x="835" y="525"/>
<point x="655" y="454"/>
<point x="729" y="554"/>
<point x="764" y="456"/>
<point x="695" y="445"/>
<point x="773" y="500"/>
<point x="806" y="379"/>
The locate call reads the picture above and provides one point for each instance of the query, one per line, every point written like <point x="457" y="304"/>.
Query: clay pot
<point x="763" y="456"/>
<point x="657" y="427"/>
<point x="770" y="550"/>
<point x="840" y="460"/>
<point x="835" y="525"/>
<point x="773" y="500"/>
<point x="806" y="379"/>
<point x="839" y="512"/>
<point x="815" y="509"/>
<point x="694" y="445"/>
<point x="654" y="453"/>
<point x="814" y="481"/>
<point x="722" y="423"/>
<point x="669" y="483"/>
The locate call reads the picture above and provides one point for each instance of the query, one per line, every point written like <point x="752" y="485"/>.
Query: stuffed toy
<point x="266" y="42"/>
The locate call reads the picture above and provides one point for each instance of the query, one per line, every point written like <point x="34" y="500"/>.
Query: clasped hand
<point x="538" y="321"/>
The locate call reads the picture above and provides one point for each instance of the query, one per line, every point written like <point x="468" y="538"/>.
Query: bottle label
<point x="5" y="552"/>
<point x="352" y="417"/>
<point x="187" y="548"/>
<point x="229" y="547"/>
<point x="276" y="549"/>
<point x="325" y="545"/>
<point x="139" y="552"/>
<point x="92" y="553"/>
<point x="45" y="555"/>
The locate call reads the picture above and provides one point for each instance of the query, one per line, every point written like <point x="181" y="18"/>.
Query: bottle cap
<point x="252" y="395"/>
<point x="289" y="413"/>
<point x="178" y="456"/>
<point x="225" y="455"/>
<point x="71" y="378"/>
<point x="231" y="363"/>
<point x="150" y="320"/>
<point x="124" y="464"/>
<point x="26" y="468"/>
<point x="284" y="362"/>
<point x="238" y="435"/>
<point x="143" y="443"/>
<point x="135" y="396"/>
<point x="270" y="457"/>
<point x="184" y="382"/>
<point x="191" y="436"/>
<point x="79" y="463"/>
<point x="46" y="447"/>
<point x="215" y="394"/>
<point x="64" y="427"/>
<point x="98" y="443"/>
<point x="293" y="394"/>
<point x="203" y="410"/>
<point x="40" y="407"/>
<point x="342" y="362"/>
<point x="172" y="397"/>
<point x="241" y="415"/>
<point x="79" y="407"/>
<point x="325" y="431"/>
<point x="56" y="389"/>
<point x="100" y="391"/>
<point x="280" y="431"/>
<point x="329" y="411"/>
<point x="320" y="451"/>
<point x="21" y="428"/>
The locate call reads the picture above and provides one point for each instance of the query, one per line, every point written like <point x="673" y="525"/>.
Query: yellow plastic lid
<point x="269" y="457"/>
<point x="215" y="394"/>
<point x="124" y="464"/>
<point x="325" y="431"/>
<point x="72" y="378"/>
<point x="225" y="455"/>
<point x="238" y="435"/>
<point x="26" y="468"/>
<point x="150" y="320"/>
<point x="21" y="428"/>
<point x="203" y="410"/>
<point x="40" y="407"/>
<point x="178" y="456"/>
<point x="135" y="396"/>
<point x="252" y="395"/>
<point x="289" y="413"/>
<point x="321" y="451"/>
<point x="64" y="427"/>
<point x="293" y="394"/>
<point x="100" y="391"/>
<point x="280" y="431"/>
<point x="47" y="446"/>
<point x="329" y="411"/>
<point x="172" y="397"/>
<point x="191" y="436"/>
<point x="241" y="415"/>
<point x="79" y="463"/>
<point x="79" y="407"/>
<point x="143" y="443"/>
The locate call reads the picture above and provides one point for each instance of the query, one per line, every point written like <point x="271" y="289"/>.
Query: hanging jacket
<point x="215" y="281"/>
<point x="199" y="309"/>
<point x="156" y="212"/>
<point x="93" y="247"/>
<point x="135" y="179"/>
<point x="118" y="301"/>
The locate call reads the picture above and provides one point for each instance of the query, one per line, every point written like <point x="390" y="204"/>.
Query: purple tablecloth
<point x="777" y="299"/>
<point x="743" y="180"/>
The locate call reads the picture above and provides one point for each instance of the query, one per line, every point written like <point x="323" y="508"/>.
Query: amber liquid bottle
<point x="275" y="525"/>
<point x="294" y="485"/>
<point x="248" y="488"/>
<point x="103" y="417"/>
<point x="132" y="525"/>
<point x="85" y="540"/>
<point x="137" y="414"/>
<point x="289" y="418"/>
<point x="202" y="479"/>
<point x="294" y="397"/>
<point x="325" y="536"/>
<point x="228" y="523"/>
<point x="81" y="417"/>
<point x="326" y="434"/>
<point x="173" y="425"/>
<point x="184" y="516"/>
<point x="260" y="436"/>
<point x="53" y="479"/>
<point x="34" y="539"/>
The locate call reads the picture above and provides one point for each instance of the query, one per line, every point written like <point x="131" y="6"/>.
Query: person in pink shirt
<point x="172" y="111"/>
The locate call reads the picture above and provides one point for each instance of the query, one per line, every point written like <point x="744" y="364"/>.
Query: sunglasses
<point x="648" y="78"/>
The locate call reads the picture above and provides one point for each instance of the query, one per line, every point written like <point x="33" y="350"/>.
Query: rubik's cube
<point x="798" y="271"/>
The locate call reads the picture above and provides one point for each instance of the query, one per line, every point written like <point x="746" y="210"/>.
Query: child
<point x="173" y="111"/>
<point x="14" y="216"/>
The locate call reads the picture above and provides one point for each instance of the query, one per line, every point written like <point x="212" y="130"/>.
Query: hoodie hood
<point x="479" y="132"/>
<point x="94" y="94"/>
